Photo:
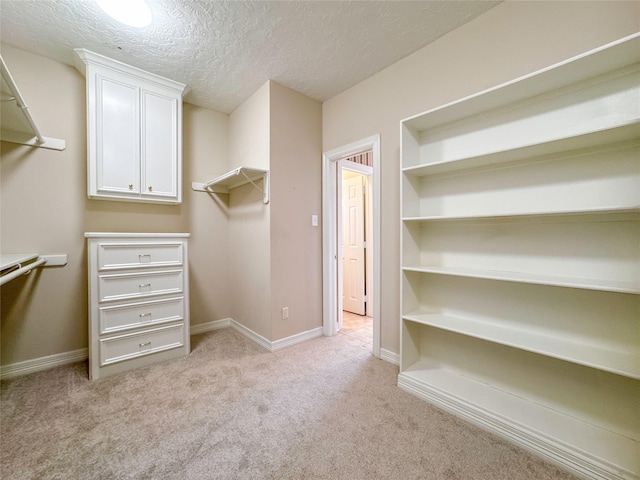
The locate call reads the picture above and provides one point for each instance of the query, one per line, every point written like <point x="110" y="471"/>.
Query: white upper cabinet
<point x="134" y="130"/>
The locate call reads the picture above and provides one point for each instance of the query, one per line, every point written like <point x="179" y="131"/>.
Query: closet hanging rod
<point x="20" y="102"/>
<point x="22" y="270"/>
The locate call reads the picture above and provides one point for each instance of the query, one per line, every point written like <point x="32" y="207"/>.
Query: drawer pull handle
<point x="143" y="285"/>
<point x="144" y="255"/>
<point x="142" y="345"/>
<point x="145" y="315"/>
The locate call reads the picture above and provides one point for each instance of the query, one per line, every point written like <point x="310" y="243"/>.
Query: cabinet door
<point x="117" y="138"/>
<point x="160" y="147"/>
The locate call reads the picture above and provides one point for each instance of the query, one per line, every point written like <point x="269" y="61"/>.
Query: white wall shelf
<point x="236" y="178"/>
<point x="618" y="359"/>
<point x="617" y="134"/>
<point x="18" y="125"/>
<point x="604" y="214"/>
<point x="520" y="262"/>
<point x="533" y="278"/>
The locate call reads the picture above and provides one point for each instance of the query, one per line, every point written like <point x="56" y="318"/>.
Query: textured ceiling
<point x="225" y="50"/>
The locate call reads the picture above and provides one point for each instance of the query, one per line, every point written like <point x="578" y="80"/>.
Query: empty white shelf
<point x="606" y="212"/>
<point x="534" y="278"/>
<point x="236" y="178"/>
<point x="8" y="260"/>
<point x="603" y="357"/>
<point x="608" y="136"/>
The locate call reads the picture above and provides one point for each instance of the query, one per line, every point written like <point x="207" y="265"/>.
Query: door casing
<point x="330" y="293"/>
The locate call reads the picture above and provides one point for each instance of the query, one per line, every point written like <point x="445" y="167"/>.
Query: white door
<point x="117" y="138"/>
<point x="353" y="251"/>
<point x="159" y="145"/>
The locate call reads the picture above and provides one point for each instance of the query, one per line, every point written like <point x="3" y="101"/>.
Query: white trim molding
<point x="251" y="335"/>
<point x="560" y="453"/>
<point x="210" y="326"/>
<point x="43" y="363"/>
<point x="295" y="339"/>
<point x="276" y="344"/>
<point x="65" y="358"/>
<point x="330" y="299"/>
<point x="389" y="356"/>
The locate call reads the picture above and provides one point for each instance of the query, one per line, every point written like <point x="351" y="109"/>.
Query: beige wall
<point x="249" y="240"/>
<point x="275" y="255"/>
<point x="44" y="209"/>
<point x="206" y="156"/>
<point x="509" y="41"/>
<point x="296" y="186"/>
<point x="249" y="134"/>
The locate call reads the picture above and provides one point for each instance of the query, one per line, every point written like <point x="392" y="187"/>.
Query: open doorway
<point x="334" y="163"/>
<point x="355" y="246"/>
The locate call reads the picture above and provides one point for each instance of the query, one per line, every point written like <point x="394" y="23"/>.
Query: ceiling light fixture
<point x="135" y="13"/>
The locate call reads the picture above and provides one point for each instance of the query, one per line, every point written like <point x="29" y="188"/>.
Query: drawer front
<point x="123" y="317"/>
<point x="135" y="255"/>
<point x="138" y="285"/>
<point x="147" y="342"/>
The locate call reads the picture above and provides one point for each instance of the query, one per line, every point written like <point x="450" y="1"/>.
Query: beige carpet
<point x="324" y="409"/>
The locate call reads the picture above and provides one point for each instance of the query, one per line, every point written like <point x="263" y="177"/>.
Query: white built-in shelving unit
<point x="521" y="260"/>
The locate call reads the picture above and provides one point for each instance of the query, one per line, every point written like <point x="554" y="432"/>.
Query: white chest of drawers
<point x="138" y="300"/>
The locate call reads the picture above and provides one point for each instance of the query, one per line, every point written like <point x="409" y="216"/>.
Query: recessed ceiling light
<point x="135" y="13"/>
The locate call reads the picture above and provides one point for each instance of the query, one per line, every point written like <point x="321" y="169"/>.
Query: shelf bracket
<point x="265" y="182"/>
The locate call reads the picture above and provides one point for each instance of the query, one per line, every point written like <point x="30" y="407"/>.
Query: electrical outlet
<point x="285" y="313"/>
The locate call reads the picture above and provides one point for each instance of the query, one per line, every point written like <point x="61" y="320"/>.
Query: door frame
<point x="330" y="292"/>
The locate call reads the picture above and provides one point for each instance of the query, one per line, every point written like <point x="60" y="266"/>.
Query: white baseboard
<point x="209" y="326"/>
<point x="57" y="360"/>
<point x="277" y="344"/>
<point x="562" y="454"/>
<point x="389" y="356"/>
<point x="42" y="363"/>
<point x="251" y="335"/>
<point x="295" y="339"/>
<point x="65" y="358"/>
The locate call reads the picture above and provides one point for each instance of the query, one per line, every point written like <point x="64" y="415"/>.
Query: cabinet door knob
<point x="131" y="186"/>
<point x="150" y="188"/>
